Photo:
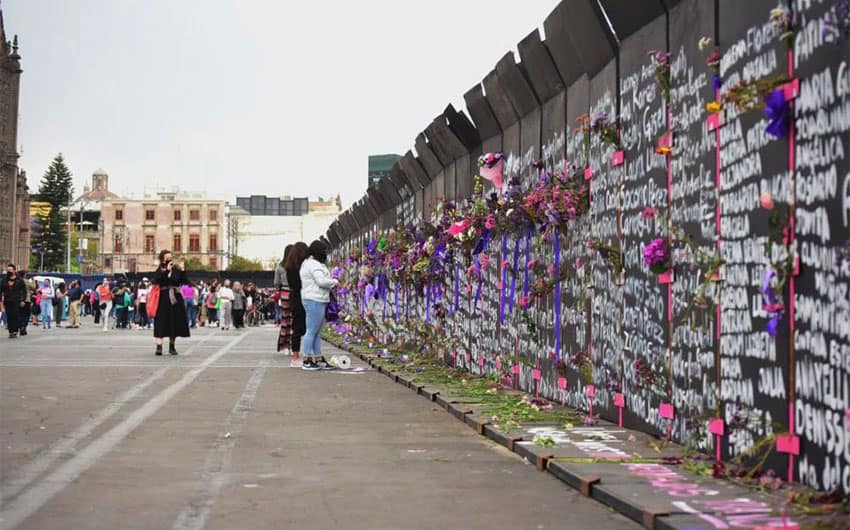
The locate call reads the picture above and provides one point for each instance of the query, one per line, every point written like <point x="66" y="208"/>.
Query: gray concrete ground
<point x="97" y="432"/>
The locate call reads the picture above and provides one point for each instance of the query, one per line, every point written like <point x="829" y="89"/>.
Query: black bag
<point x="36" y="310"/>
<point x="103" y="305"/>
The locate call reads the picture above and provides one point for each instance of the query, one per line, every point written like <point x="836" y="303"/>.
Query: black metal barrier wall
<point x="708" y="174"/>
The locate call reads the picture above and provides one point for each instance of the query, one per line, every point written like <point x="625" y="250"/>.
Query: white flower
<point x="704" y="43"/>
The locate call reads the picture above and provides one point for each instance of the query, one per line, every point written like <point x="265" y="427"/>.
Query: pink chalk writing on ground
<point x="672" y="483"/>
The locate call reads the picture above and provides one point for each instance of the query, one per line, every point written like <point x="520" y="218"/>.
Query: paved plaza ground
<point x="96" y="432"/>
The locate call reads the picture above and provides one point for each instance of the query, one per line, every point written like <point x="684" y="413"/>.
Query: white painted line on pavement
<point x="23" y="476"/>
<point x="194" y="514"/>
<point x="28" y="502"/>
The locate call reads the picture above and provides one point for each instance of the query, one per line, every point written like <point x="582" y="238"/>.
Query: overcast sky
<point x="250" y="96"/>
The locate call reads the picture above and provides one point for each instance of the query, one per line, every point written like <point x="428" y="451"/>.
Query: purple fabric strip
<point x="557" y="293"/>
<point x="396" y="302"/>
<point x="428" y="303"/>
<point x="504" y="274"/>
<point x="525" y="285"/>
<point x="513" y="276"/>
<point x="457" y="286"/>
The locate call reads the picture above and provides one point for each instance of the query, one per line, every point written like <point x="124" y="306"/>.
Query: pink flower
<point x="649" y="212"/>
<point x="500" y="285"/>
<point x="532" y="264"/>
<point x="458" y="227"/>
<point x="484" y="260"/>
<point x="524" y="301"/>
<point x="505" y="264"/>
<point x="578" y="264"/>
<point x="551" y="270"/>
<point x="471" y="271"/>
<point x="490" y="222"/>
<point x="766" y="200"/>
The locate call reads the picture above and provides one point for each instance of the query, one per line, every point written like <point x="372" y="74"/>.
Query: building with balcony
<point x="134" y="231"/>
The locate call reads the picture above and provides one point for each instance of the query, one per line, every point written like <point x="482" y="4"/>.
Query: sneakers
<point x="295" y="363"/>
<point x="309" y="364"/>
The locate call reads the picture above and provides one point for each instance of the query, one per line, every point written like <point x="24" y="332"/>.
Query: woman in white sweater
<point x="316" y="285"/>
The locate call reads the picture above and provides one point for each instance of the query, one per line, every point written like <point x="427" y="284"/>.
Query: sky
<point x="246" y="97"/>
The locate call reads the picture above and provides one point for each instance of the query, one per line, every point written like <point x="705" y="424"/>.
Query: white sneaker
<point x="295" y="363"/>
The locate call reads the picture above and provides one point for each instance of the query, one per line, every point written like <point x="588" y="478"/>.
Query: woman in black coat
<point x="170" y="320"/>
<point x="296" y="256"/>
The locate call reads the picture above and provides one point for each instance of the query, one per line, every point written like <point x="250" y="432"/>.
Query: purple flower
<point x="656" y="254"/>
<point x="776" y="110"/>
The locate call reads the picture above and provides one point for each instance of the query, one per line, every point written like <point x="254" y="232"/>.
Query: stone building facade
<point x="14" y="194"/>
<point x="133" y="231"/>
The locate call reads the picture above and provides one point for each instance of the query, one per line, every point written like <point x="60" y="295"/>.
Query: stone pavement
<point x="97" y="432"/>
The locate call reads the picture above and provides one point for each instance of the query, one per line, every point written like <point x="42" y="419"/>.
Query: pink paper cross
<point x="588" y="173"/>
<point x="791" y="89"/>
<point x="665" y="277"/>
<point x="591" y="391"/>
<point x="515" y="369"/>
<point x="789" y="444"/>
<point x="562" y="384"/>
<point x="666" y="411"/>
<point x="617" y="158"/>
<point x="536" y="374"/>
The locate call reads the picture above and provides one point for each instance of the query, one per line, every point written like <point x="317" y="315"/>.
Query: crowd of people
<point x="297" y="304"/>
<point x="117" y="304"/>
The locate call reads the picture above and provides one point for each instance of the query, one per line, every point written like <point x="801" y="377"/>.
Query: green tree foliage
<point x="240" y="264"/>
<point x="57" y="189"/>
<point x="193" y="264"/>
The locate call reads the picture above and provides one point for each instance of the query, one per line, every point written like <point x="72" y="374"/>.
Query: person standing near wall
<point x="280" y="281"/>
<point x="13" y="300"/>
<point x="210" y="301"/>
<point x="75" y="297"/>
<point x="225" y="312"/>
<point x="238" y="306"/>
<point x="297" y="255"/>
<point x="58" y="304"/>
<point x="170" y="320"/>
<point x="45" y="303"/>
<point x="316" y="285"/>
<point x="142" y="303"/>
<point x="189" y="298"/>
<point x="104" y="296"/>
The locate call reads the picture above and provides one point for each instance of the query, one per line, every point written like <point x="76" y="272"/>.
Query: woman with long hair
<point x="292" y="265"/>
<point x="170" y="320"/>
<point x="45" y="303"/>
<point x="316" y="285"/>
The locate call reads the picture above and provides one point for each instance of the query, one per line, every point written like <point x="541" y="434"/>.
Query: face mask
<point x="9" y="274"/>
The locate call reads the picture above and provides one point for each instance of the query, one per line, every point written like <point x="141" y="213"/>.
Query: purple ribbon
<point x="428" y="303"/>
<point x="457" y="286"/>
<point x="503" y="287"/>
<point x="525" y="285"/>
<point x="485" y="241"/>
<point x="557" y="293"/>
<point x="396" y="302"/>
<point x="406" y="304"/>
<point x="513" y="277"/>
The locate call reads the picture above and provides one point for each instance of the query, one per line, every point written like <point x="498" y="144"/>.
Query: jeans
<point x="190" y="314"/>
<point x="277" y="311"/>
<point x="226" y="315"/>
<point x="312" y="342"/>
<point x="105" y="314"/>
<point x="46" y="312"/>
<point x="143" y="314"/>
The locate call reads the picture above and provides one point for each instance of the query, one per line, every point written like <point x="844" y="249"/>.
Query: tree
<point x="56" y="189"/>
<point x="240" y="264"/>
<point x="193" y="264"/>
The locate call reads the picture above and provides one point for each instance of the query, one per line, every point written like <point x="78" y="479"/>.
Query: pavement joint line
<point x="32" y="470"/>
<point x="195" y="513"/>
<point x="28" y="502"/>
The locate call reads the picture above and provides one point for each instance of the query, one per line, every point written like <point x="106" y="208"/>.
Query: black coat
<point x="170" y="319"/>
<point x="13" y="291"/>
<point x="299" y="317"/>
